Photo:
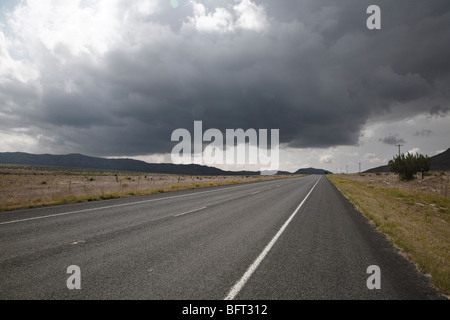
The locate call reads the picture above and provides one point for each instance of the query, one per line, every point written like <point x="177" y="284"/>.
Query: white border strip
<point x="190" y="211"/>
<point x="240" y="284"/>
<point x="127" y="204"/>
<point x="119" y="205"/>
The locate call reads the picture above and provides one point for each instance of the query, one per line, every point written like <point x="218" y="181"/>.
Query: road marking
<point x="240" y="284"/>
<point x="120" y="205"/>
<point x="78" y="242"/>
<point x="256" y="192"/>
<point x="190" y="211"/>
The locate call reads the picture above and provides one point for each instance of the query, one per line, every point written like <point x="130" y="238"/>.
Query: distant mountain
<point x="378" y="169"/>
<point x="439" y="162"/>
<point x="86" y="162"/>
<point x="76" y="160"/>
<point x="312" y="171"/>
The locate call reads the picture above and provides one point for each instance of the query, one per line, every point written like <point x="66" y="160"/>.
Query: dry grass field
<point x="414" y="215"/>
<point x="25" y="186"/>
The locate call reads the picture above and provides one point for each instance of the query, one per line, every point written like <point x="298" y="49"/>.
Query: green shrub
<point x="408" y="165"/>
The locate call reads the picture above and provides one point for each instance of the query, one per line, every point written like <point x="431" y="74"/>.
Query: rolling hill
<point x="312" y="171"/>
<point x="439" y="162"/>
<point x="76" y="160"/>
<point x="87" y="162"/>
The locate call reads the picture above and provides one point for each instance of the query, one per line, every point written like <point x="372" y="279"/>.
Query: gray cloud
<point x="439" y="111"/>
<point x="392" y="139"/>
<point x="316" y="73"/>
<point x="423" y="133"/>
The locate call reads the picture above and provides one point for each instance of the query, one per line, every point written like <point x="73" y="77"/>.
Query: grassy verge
<point x="27" y="186"/>
<point x="415" y="221"/>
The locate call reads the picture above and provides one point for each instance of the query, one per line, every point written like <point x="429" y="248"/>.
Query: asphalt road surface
<point x="284" y="239"/>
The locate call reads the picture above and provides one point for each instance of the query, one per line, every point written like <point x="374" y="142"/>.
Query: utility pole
<point x="347" y="168"/>
<point x="399" y="145"/>
<point x="359" y="166"/>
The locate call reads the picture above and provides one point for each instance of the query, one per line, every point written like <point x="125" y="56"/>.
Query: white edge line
<point x="113" y="206"/>
<point x="121" y="205"/>
<point x="240" y="284"/>
<point x="190" y="211"/>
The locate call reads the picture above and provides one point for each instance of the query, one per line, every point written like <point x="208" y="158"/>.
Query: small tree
<point x="408" y="165"/>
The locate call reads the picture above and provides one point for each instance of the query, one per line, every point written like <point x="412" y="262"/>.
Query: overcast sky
<point x="115" y="78"/>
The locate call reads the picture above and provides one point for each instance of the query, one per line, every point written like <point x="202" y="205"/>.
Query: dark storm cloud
<point x="316" y="73"/>
<point x="439" y="111"/>
<point x="424" y="133"/>
<point x="392" y="140"/>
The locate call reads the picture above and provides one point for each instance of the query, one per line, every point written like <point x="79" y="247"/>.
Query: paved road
<point x="285" y="239"/>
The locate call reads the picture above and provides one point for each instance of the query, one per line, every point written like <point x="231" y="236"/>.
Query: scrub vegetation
<point x="27" y="186"/>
